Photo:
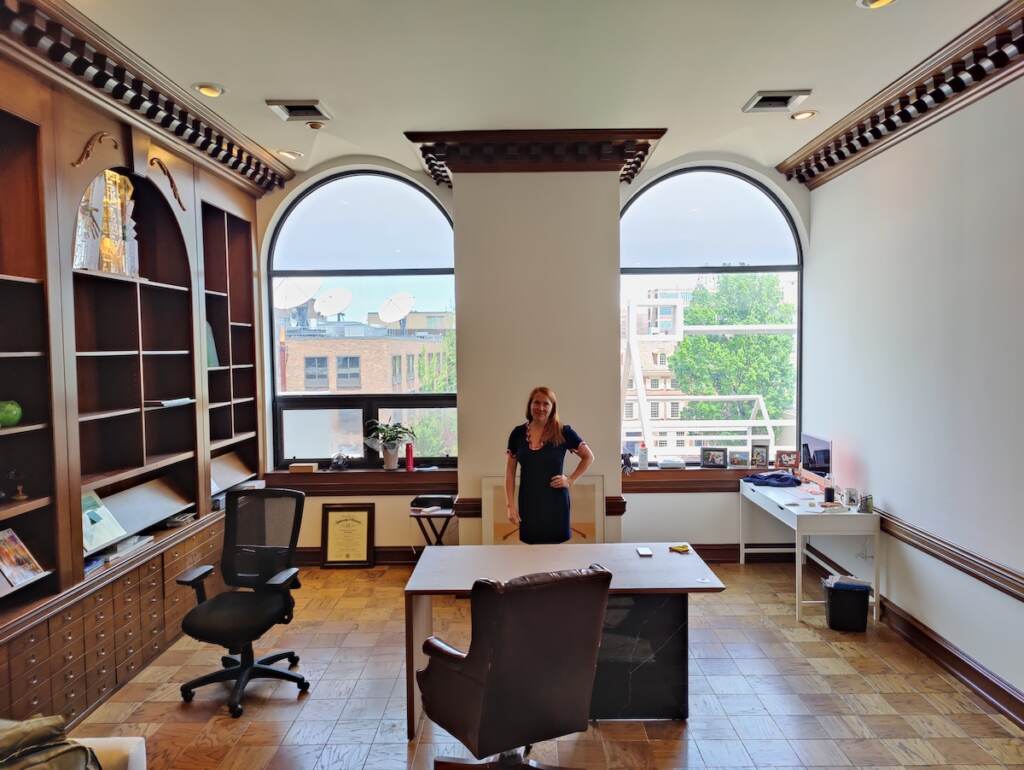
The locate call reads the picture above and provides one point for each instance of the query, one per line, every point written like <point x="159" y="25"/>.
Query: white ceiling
<point x="388" y="66"/>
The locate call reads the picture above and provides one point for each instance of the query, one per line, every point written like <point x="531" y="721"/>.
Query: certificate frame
<point x="341" y="548"/>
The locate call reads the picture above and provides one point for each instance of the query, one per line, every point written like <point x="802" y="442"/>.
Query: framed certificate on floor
<point x="346" y="535"/>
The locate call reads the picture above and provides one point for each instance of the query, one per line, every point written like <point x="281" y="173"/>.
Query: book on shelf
<point x="126" y="547"/>
<point x="99" y="526"/>
<point x="17" y="563"/>
<point x="179" y="519"/>
<point x="167" y="401"/>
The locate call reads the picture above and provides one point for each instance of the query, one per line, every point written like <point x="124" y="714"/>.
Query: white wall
<point x="537" y="292"/>
<point x="696" y="517"/>
<point x="913" y="358"/>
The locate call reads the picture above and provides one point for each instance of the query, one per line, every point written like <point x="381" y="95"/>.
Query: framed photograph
<point x="739" y="458"/>
<point x="714" y="457"/>
<point x="346" y="535"/>
<point x="787" y="458"/>
<point x="759" y="456"/>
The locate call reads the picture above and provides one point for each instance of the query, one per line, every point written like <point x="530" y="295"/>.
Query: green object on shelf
<point x="212" y="359"/>
<point x="10" y="414"/>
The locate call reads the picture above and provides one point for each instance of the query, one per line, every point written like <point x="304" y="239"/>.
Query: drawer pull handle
<point x="34" y="681"/>
<point x="103" y="669"/>
<point x="69" y="676"/>
<point x="33" y="660"/>
<point x="69" y="657"/>
<point x="35" y="700"/>
<point x="101" y="635"/>
<point x="103" y="689"/>
<point x="69" y="636"/>
<point x="101" y="616"/>
<point x="71" y="695"/>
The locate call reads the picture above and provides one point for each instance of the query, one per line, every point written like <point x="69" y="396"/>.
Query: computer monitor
<point x="815" y="454"/>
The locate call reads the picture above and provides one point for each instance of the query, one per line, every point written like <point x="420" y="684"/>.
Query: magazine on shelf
<point x="17" y="564"/>
<point x="167" y="401"/>
<point x="127" y="547"/>
<point x="99" y="527"/>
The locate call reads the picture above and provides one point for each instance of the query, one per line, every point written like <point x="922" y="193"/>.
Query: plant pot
<point x="390" y="457"/>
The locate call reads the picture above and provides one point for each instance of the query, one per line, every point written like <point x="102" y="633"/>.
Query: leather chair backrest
<point x="535" y="642"/>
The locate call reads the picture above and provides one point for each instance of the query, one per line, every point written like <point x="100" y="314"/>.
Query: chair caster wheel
<point x="236" y="711"/>
<point x="293" y="660"/>
<point x="303" y="686"/>
<point x="187" y="695"/>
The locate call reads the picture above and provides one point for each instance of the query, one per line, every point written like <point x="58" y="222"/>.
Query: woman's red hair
<point x="553" y="430"/>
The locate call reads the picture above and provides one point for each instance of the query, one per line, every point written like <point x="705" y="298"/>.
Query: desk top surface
<point x="451" y="569"/>
<point x="796" y="501"/>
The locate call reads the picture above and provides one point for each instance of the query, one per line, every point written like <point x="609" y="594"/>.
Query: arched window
<point x="362" y="295"/>
<point x="710" y="295"/>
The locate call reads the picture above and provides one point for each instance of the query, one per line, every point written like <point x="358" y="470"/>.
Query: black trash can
<point x="846" y="606"/>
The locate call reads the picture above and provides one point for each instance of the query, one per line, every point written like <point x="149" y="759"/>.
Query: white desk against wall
<point x="792" y="507"/>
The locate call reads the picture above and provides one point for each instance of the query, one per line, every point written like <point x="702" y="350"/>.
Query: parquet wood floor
<point x="764" y="692"/>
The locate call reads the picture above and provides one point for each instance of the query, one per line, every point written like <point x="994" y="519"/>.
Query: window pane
<point x="338" y="320"/>
<point x="436" y="429"/>
<point x="731" y="361"/>
<point x="319" y="433"/>
<point x="364" y="222"/>
<point x="705" y="219"/>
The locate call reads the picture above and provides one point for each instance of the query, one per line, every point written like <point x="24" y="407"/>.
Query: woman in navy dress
<point x="539" y="446"/>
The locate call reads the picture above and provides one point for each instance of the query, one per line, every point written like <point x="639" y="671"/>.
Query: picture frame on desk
<point x="758" y="455"/>
<point x="346" y="535"/>
<point x="714" y="457"/>
<point x="787" y="458"/>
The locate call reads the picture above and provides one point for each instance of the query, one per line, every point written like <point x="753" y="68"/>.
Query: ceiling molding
<point x="985" y="57"/>
<point x="65" y="45"/>
<point x="575" y="149"/>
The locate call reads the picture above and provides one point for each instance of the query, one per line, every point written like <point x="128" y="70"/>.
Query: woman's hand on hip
<point x="561" y="482"/>
<point x="513" y="513"/>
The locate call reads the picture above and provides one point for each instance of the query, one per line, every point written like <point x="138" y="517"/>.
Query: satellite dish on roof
<point x="396" y="307"/>
<point x="333" y="301"/>
<point x="292" y="292"/>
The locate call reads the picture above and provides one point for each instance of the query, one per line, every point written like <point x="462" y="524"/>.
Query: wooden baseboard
<point x="729" y="553"/>
<point x="310" y="556"/>
<point x="986" y="684"/>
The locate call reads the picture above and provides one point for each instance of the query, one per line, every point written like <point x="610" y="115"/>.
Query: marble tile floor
<point x="764" y="692"/>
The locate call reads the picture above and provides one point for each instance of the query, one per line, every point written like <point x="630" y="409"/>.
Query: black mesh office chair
<point x="261" y="529"/>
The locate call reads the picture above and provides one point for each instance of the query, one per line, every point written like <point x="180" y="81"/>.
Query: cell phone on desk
<point x="643" y="550"/>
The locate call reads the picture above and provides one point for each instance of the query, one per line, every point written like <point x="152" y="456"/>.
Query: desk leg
<point x="878" y="572"/>
<point x="419" y="624"/>
<point x="743" y="542"/>
<point x="799" y="572"/>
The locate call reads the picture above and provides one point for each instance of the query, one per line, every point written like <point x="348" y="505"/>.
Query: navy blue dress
<point x="543" y="509"/>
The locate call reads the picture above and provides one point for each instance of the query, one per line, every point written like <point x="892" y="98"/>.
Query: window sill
<point x="444" y="481"/>
<point x="679" y="480"/>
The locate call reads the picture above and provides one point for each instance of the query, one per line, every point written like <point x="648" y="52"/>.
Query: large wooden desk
<point x="649" y="590"/>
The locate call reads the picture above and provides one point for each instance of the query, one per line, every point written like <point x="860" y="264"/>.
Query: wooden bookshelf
<point x="134" y="341"/>
<point x="228" y="261"/>
<point x="91" y="353"/>
<point x="27" y="449"/>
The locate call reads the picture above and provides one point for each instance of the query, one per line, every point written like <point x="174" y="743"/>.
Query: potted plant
<point x="387" y="438"/>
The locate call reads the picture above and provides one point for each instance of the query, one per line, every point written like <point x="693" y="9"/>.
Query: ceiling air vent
<point x="776" y="101"/>
<point x="299" y="109"/>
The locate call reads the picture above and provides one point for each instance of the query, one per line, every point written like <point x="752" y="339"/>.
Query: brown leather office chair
<point x="529" y="672"/>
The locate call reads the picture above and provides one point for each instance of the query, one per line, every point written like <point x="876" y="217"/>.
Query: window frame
<point x="797" y="268"/>
<point x="368" y="403"/>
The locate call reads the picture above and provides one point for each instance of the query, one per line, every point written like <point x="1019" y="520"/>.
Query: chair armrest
<point x="442" y="652"/>
<point x="286" y="578"/>
<point x="194" y="577"/>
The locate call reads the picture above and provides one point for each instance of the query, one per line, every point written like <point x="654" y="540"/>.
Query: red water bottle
<point x="408" y="457"/>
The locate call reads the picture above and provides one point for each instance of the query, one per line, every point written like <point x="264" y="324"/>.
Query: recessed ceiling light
<point x="212" y="90"/>
<point x="873" y="5"/>
<point x="803" y="115"/>
<point x="290" y="154"/>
